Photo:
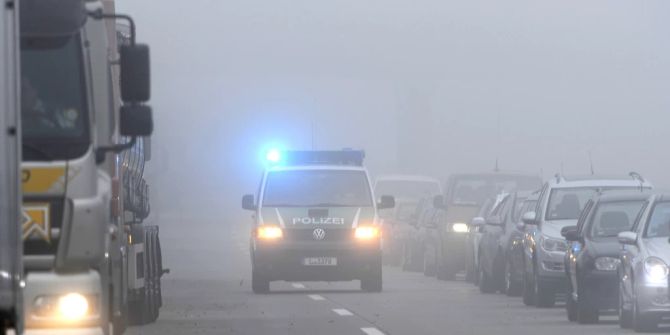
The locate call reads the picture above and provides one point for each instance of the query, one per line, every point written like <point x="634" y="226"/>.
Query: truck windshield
<point x="53" y="102"/>
<point x="317" y="188"/>
<point x="407" y="189"/>
<point x="614" y="217"/>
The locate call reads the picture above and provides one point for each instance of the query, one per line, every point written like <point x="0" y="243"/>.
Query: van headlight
<point x="69" y="307"/>
<point x="607" y="263"/>
<point x="656" y="270"/>
<point x="554" y="245"/>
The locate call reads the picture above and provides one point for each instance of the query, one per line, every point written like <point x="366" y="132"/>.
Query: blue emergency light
<point x="327" y="157"/>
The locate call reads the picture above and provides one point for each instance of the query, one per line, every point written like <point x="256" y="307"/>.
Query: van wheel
<point x="372" y="282"/>
<point x="259" y="284"/>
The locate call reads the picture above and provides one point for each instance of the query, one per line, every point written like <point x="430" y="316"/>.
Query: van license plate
<point x="320" y="261"/>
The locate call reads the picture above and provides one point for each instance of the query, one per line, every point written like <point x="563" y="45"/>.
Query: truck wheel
<point x="372" y="281"/>
<point x="259" y="284"/>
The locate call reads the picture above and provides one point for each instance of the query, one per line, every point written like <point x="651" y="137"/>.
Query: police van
<point x="316" y="220"/>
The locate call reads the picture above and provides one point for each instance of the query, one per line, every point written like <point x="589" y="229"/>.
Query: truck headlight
<point x="366" y="232"/>
<point x="269" y="232"/>
<point x="73" y="306"/>
<point x="607" y="263"/>
<point x="554" y="245"/>
<point x="459" y="227"/>
<point x="70" y="307"/>
<point x="656" y="270"/>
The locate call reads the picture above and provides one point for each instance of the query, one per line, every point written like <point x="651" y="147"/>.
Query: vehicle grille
<point x="36" y="243"/>
<point x="332" y="235"/>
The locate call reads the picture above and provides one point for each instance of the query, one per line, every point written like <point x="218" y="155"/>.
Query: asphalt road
<point x="209" y="292"/>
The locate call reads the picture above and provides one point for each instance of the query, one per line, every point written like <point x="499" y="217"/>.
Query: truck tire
<point x="372" y="281"/>
<point x="259" y="284"/>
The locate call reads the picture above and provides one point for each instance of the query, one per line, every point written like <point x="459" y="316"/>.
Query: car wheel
<point x="544" y="297"/>
<point x="259" y="284"/>
<point x="528" y="298"/>
<point x="512" y="288"/>
<point x="486" y="285"/>
<point x="625" y="316"/>
<point x="570" y="307"/>
<point x="586" y="314"/>
<point x="642" y="323"/>
<point x="404" y="257"/>
<point x="429" y="263"/>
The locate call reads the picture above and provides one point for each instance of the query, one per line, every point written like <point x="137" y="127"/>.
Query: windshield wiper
<point x="39" y="151"/>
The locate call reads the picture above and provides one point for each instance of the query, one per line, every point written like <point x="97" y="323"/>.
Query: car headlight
<point x="607" y="263"/>
<point x="459" y="228"/>
<point x="366" y="232"/>
<point x="70" y="307"/>
<point x="554" y="245"/>
<point x="269" y="232"/>
<point x="656" y="269"/>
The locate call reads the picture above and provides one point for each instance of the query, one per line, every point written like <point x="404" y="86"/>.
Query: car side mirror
<point x="136" y="120"/>
<point x="248" y="202"/>
<point x="627" y="238"/>
<point x="438" y="202"/>
<point x="494" y="221"/>
<point x="135" y="67"/>
<point x="478" y="222"/>
<point x="387" y="201"/>
<point x="529" y="218"/>
<point x="570" y="233"/>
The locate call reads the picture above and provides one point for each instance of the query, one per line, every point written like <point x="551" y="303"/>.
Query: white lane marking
<point x="316" y="297"/>
<point x="372" y="331"/>
<point x="342" y="312"/>
<point x="298" y="285"/>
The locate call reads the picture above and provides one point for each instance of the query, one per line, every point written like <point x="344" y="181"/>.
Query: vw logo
<point x="319" y="234"/>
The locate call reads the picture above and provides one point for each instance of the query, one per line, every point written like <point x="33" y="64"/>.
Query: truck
<point x="92" y="264"/>
<point x="11" y="247"/>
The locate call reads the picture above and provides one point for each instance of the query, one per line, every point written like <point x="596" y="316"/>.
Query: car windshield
<point x="611" y="218"/>
<point x="659" y="222"/>
<point x="567" y="203"/>
<point x="407" y="189"/>
<point x="473" y="191"/>
<point x="317" y="188"/>
<point x="53" y="104"/>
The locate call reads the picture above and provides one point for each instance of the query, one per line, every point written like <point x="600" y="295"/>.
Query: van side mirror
<point x="248" y="202"/>
<point x="135" y="67"/>
<point x="136" y="120"/>
<point x="529" y="218"/>
<point x="438" y="202"/>
<point x="570" y="233"/>
<point x="387" y="201"/>
<point x="627" y="238"/>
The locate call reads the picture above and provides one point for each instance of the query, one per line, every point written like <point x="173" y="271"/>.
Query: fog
<point x="430" y="87"/>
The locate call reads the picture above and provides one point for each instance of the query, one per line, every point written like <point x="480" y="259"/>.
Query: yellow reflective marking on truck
<point x="36" y="221"/>
<point x="41" y="179"/>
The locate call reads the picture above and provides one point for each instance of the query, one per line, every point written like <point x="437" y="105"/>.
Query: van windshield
<point x="317" y="188"/>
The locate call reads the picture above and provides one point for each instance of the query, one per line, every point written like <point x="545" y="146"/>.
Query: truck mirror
<point x="135" y="73"/>
<point x="248" y="202"/>
<point x="387" y="201"/>
<point x="136" y="120"/>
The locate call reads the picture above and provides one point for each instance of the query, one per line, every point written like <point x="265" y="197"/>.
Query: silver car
<point x="643" y="275"/>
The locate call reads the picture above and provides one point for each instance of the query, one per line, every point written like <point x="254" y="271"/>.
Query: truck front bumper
<point x="42" y="308"/>
<point x="287" y="261"/>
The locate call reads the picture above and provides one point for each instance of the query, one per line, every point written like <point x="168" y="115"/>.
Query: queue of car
<point x="600" y="244"/>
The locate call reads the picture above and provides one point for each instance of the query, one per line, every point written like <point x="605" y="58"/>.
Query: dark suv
<point x="592" y="260"/>
<point x="500" y="252"/>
